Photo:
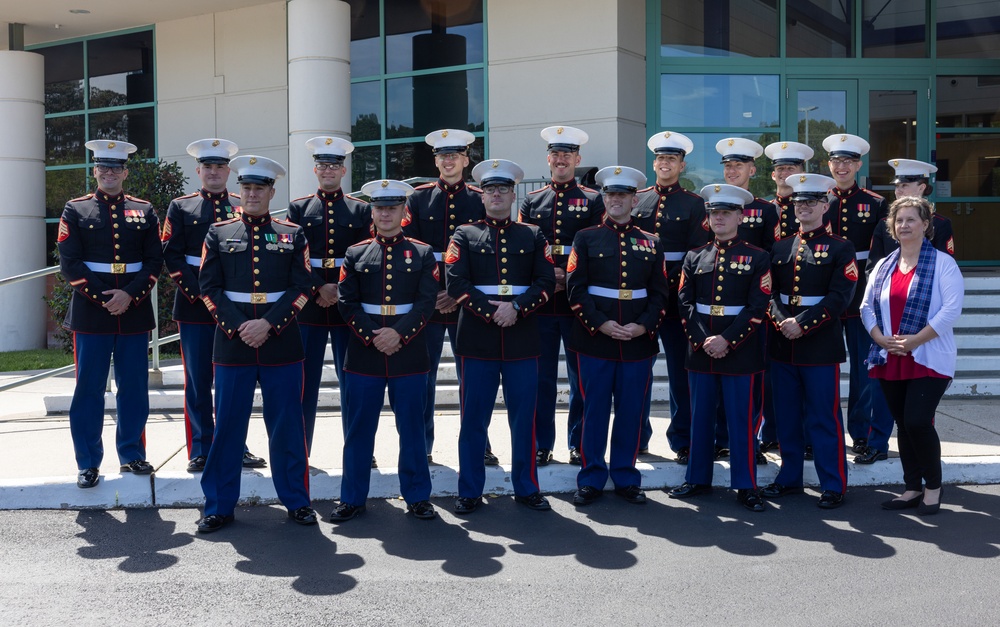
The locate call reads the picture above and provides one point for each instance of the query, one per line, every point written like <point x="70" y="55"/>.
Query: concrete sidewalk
<point x="38" y="471"/>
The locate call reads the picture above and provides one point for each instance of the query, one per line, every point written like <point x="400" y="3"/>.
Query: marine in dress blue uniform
<point x="388" y="287"/>
<point x="677" y="217"/>
<point x="184" y="230"/>
<point x="912" y="179"/>
<point x="434" y="211"/>
<point x="814" y="277"/>
<point x="724" y="291"/>
<point x="255" y="279"/>
<point x="109" y="252"/>
<point x="560" y="210"/>
<point x="332" y="221"/>
<point x="787" y="158"/>
<point x="853" y="215"/>
<point x="617" y="286"/>
<point x="500" y="272"/>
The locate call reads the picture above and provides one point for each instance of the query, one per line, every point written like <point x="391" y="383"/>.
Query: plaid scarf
<point x="918" y="300"/>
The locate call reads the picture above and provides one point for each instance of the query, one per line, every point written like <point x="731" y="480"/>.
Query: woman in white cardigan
<point x="913" y="298"/>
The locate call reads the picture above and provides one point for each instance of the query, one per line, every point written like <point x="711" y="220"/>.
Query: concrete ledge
<point x="113" y="491"/>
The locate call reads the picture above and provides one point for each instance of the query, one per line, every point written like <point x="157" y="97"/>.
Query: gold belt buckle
<point x="258" y="298"/>
<point x="388" y="310"/>
<point x="329" y="263"/>
<point x="794" y="300"/>
<point x="117" y="268"/>
<point x="624" y="294"/>
<point x="504" y="290"/>
<point x="558" y="250"/>
<point x="717" y="310"/>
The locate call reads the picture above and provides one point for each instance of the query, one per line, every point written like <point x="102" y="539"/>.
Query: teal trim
<point x="73" y="40"/>
<point x="486" y="82"/>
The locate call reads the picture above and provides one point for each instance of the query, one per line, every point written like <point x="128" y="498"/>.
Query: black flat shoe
<point x="88" y="478"/>
<point x="534" y="501"/>
<point x="345" y="511"/>
<point x="574" y="457"/>
<point x="543" y="457"/>
<point x="422" y="510"/>
<point x="464" y="505"/>
<point x="490" y="459"/>
<point x="860" y="445"/>
<point x="633" y="494"/>
<point x="830" y="500"/>
<point x="213" y="522"/>
<point x="870" y="456"/>
<point x="138" y="467"/>
<point x="197" y="464"/>
<point x="252" y="461"/>
<point x="776" y="490"/>
<point x="750" y="499"/>
<point x="586" y="495"/>
<point x="687" y="490"/>
<point x="927" y="510"/>
<point x="304" y="516"/>
<point x="895" y="504"/>
<point x="682" y="456"/>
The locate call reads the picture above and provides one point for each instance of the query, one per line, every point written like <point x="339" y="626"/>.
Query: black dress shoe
<point x="768" y="445"/>
<point x="490" y="459"/>
<point x="430" y="458"/>
<point x="750" y="499"/>
<point x="197" y="464"/>
<point x="465" y="505"/>
<point x="721" y="452"/>
<point x="88" y="478"/>
<point x="775" y="490"/>
<point x="586" y="495"/>
<point x="213" y="522"/>
<point x="535" y="501"/>
<point x="894" y="504"/>
<point x="830" y="499"/>
<point x="633" y="494"/>
<point x="687" y="490"/>
<point x="860" y="445"/>
<point x="422" y="510"/>
<point x="870" y="456"/>
<point x="926" y="510"/>
<point x="644" y="450"/>
<point x="252" y="461"/>
<point x="303" y="516"/>
<point x="683" y="455"/>
<point x="375" y="463"/>
<point x="808" y="454"/>
<point x="543" y="457"/>
<point x="345" y="511"/>
<point x="760" y="458"/>
<point x="574" y="457"/>
<point x="138" y="467"/>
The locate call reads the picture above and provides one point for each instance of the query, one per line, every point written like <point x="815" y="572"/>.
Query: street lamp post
<point x="806" y="110"/>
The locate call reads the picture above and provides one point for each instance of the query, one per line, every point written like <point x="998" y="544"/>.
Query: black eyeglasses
<point x="498" y="189"/>
<point x="844" y="161"/>
<point x="320" y="167"/>
<point x="104" y="169"/>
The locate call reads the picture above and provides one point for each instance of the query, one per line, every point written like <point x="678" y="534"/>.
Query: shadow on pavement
<point x="141" y="539"/>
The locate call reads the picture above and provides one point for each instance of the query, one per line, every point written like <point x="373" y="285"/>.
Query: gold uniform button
<point x="256" y="259"/>
<point x="256" y="270"/>
<point x="256" y="247"/>
<point x="256" y="283"/>
<point x="388" y="277"/>
<point x="388" y="266"/>
<point x="388" y="287"/>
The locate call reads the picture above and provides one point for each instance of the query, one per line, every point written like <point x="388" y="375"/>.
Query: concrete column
<point x="23" y="314"/>
<point x="319" y="84"/>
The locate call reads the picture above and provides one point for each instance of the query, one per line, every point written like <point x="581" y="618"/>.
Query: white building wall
<point x="224" y="75"/>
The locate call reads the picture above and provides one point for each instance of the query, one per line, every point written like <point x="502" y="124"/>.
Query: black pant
<point x="913" y="403"/>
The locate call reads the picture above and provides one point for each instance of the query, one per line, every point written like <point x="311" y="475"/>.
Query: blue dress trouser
<point x="735" y="394"/>
<point x="434" y="334"/>
<point x="551" y="331"/>
<point x="480" y="381"/>
<point x="363" y="402"/>
<point x="865" y="410"/>
<point x="281" y="389"/>
<point x="199" y="411"/>
<point x="810" y="399"/>
<point x="93" y="353"/>
<point x="625" y="384"/>
<point x="314" y="343"/>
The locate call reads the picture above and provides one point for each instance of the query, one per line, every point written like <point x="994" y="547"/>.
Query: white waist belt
<point x="439" y="256"/>
<point x="804" y="301"/>
<point x="616" y="294"/>
<point x="673" y="256"/>
<point x="115" y="268"/>
<point x="192" y="260"/>
<point x="502" y="290"/>
<point x="386" y="310"/>
<point x="560" y="249"/>
<point x="718" y="310"/>
<point x="255" y="298"/>
<point x="329" y="262"/>
<point x="861" y="255"/>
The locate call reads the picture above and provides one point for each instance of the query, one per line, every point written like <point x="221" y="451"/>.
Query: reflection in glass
<point x="819" y="29"/>
<point x="735" y="29"/>
<point x="63" y="77"/>
<point x="135" y="126"/>
<point x="969" y="163"/>
<point x="892" y="133"/>
<point x="416" y="160"/>
<point x="366" y="103"/>
<point x="417" y="105"/>
<point x="366" y="59"/>
<point x="64" y="140"/>
<point x="704" y="164"/>
<point x="730" y="100"/>
<point x="62" y="186"/>
<point x="968" y="29"/>
<point x="120" y="70"/>
<point x="366" y="165"/>
<point x="975" y="224"/>
<point x="968" y="102"/>
<point x="432" y="34"/>
<point x="894" y="30"/>
<point x="820" y="114"/>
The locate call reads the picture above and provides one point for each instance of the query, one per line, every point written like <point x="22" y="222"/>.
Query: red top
<point x="898" y="368"/>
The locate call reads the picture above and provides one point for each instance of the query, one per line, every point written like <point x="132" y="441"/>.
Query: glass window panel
<point x="894" y="30"/>
<point x="819" y="29"/>
<point x="892" y="133"/>
<point x="718" y="100"/>
<point x="63" y="77"/>
<point x="968" y="29"/>
<point x="704" y="164"/>
<point x="62" y="186"/>
<point x="366" y="59"/>
<point x="968" y="102"/>
<point x="425" y="35"/>
<point x="968" y="165"/>
<point x="120" y="70"/>
<point x="820" y="114"/>
<point x="135" y="126"/>
<point x="417" y="105"/>
<point x="366" y="165"/>
<point x="366" y="105"/>
<point x="975" y="225"/>
<point x="416" y="160"/>
<point x="64" y="140"/>
<point x="735" y="29"/>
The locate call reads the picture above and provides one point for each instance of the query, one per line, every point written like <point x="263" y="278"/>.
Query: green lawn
<point x="15" y="361"/>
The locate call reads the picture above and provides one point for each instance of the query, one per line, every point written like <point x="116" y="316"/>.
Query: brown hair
<point x="925" y="211"/>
